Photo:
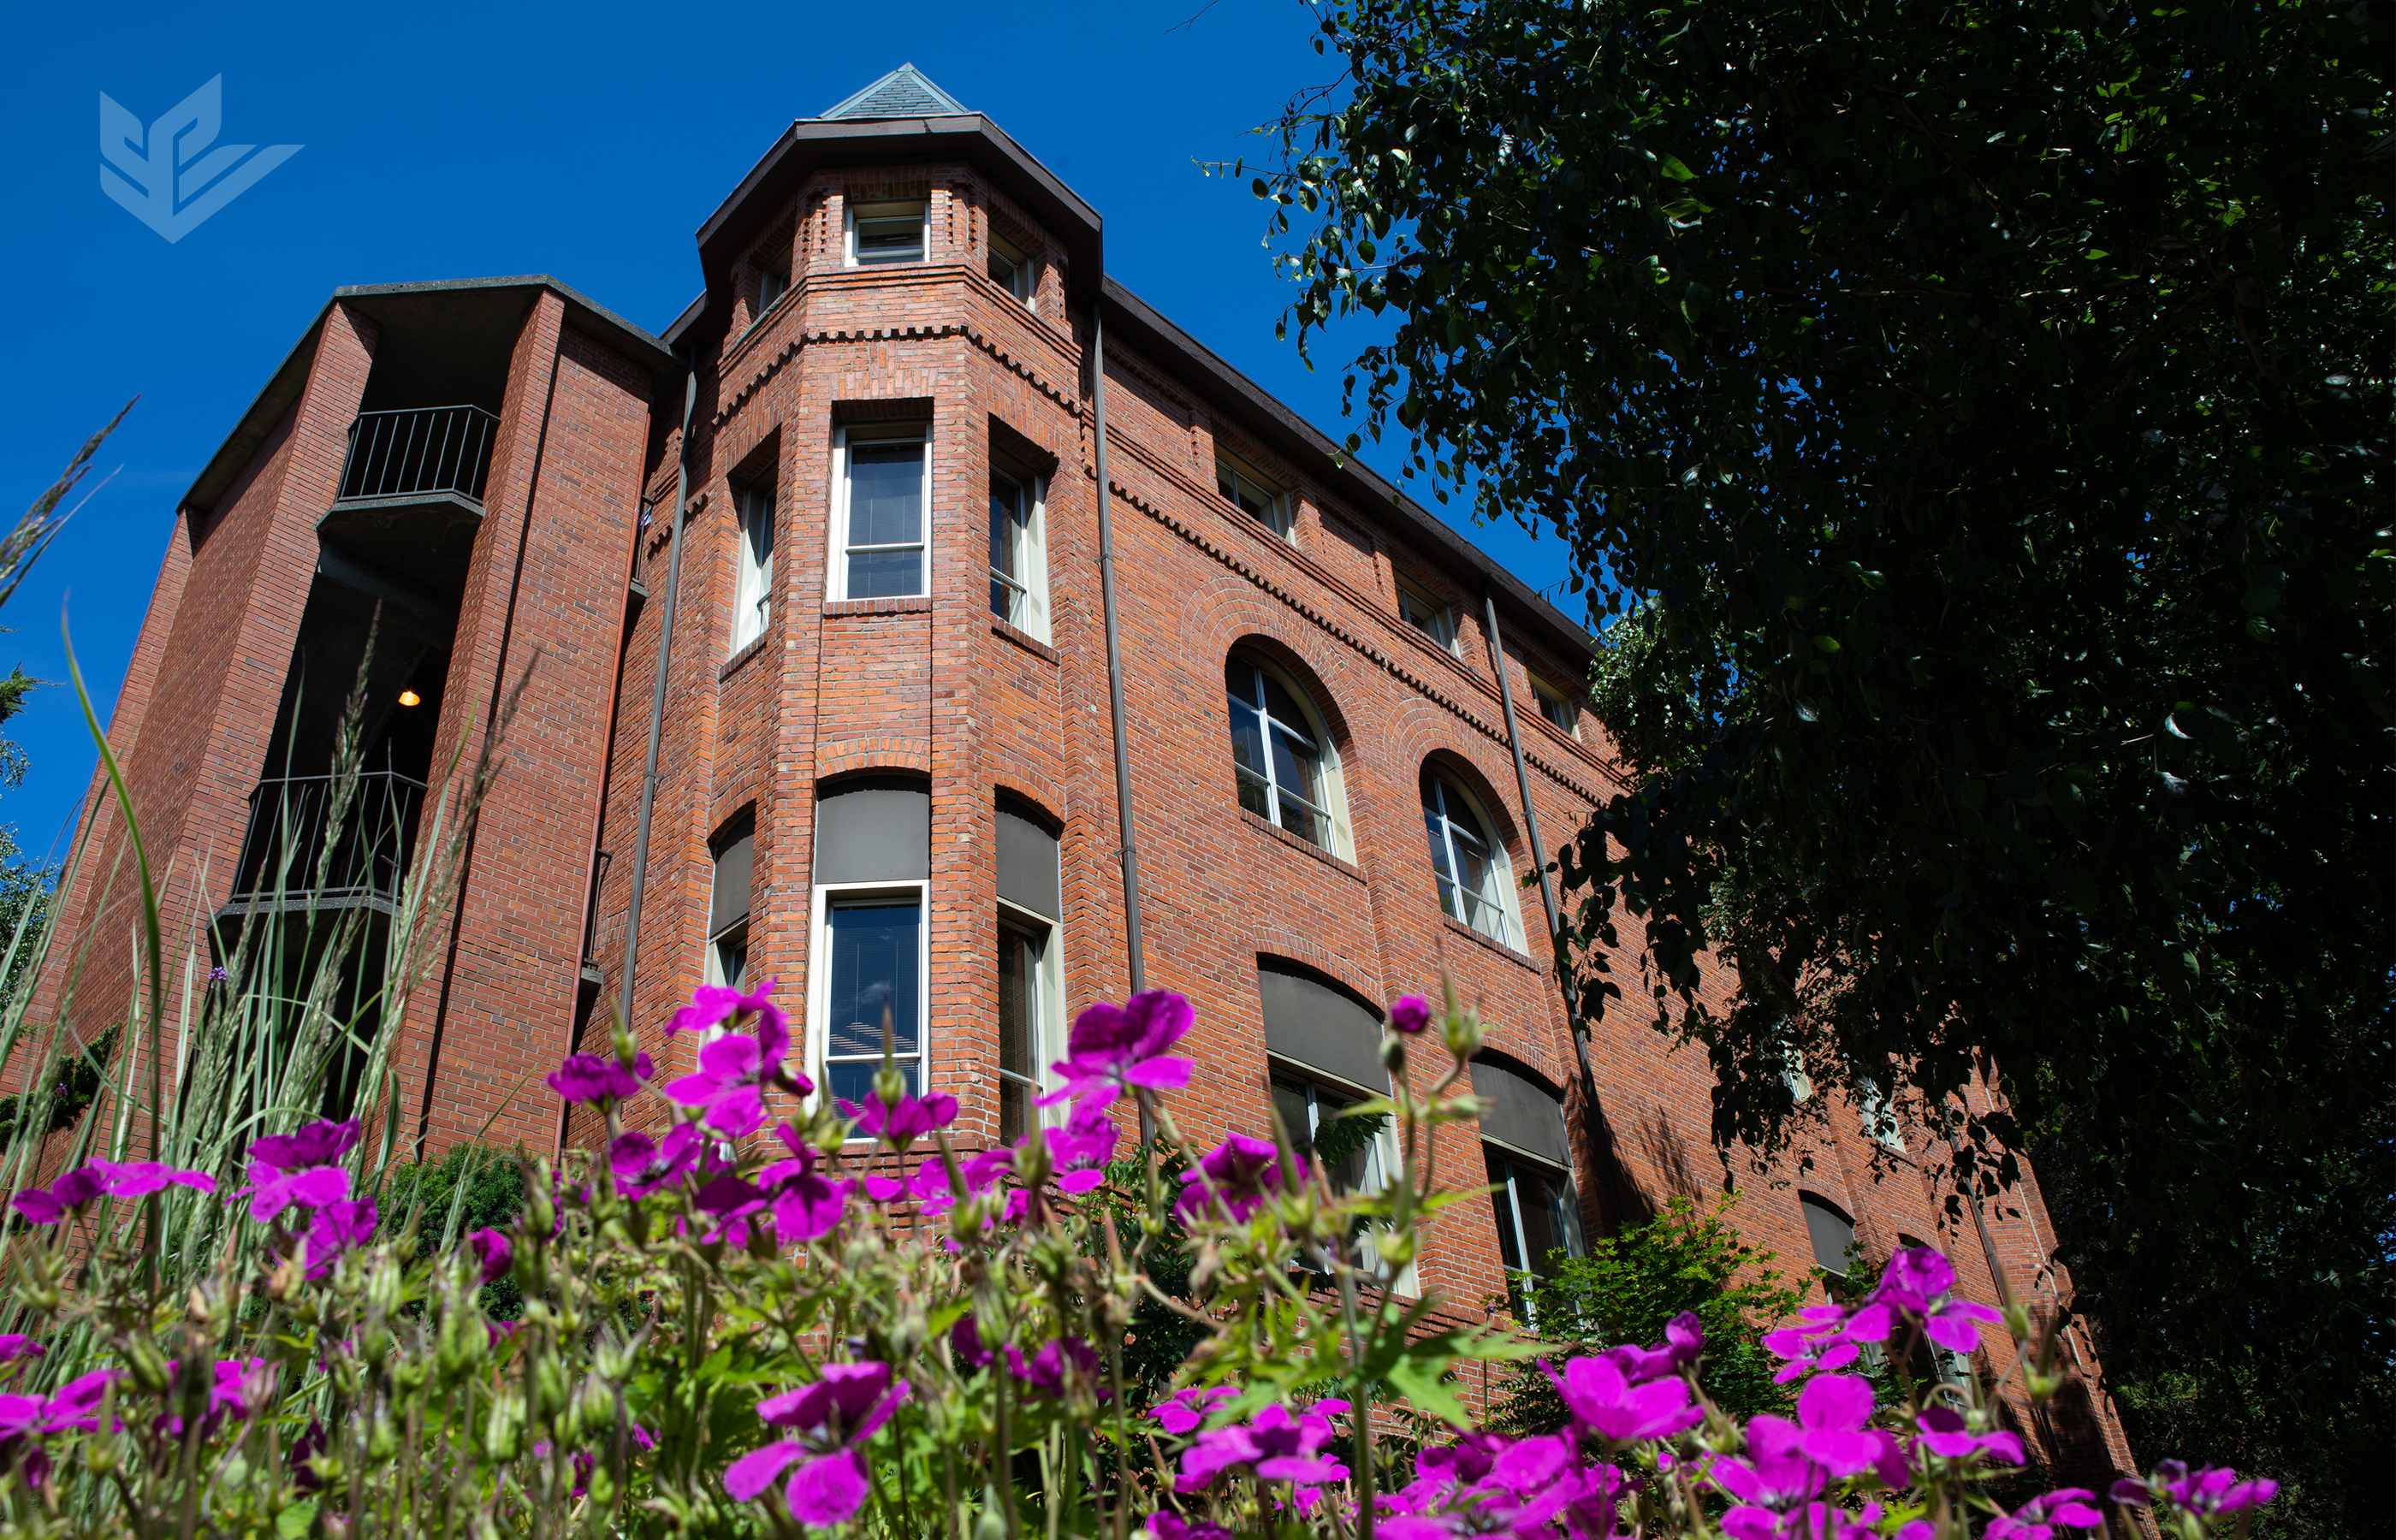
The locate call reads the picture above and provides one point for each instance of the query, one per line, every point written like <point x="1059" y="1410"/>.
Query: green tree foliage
<point x="1976" y="416"/>
<point x="493" y="1199"/>
<point x="1631" y="1283"/>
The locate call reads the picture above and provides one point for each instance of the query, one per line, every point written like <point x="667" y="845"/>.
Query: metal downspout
<point x="657" y="697"/>
<point x="1597" y="1166"/>
<point x="1129" y="852"/>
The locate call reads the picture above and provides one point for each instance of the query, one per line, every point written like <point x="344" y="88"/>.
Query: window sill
<point x="743" y="655"/>
<point x="1023" y="639"/>
<point x="1500" y="948"/>
<point x="1302" y="846"/>
<point x="913" y="603"/>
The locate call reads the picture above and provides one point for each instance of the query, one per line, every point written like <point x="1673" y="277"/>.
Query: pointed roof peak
<point x="904" y="92"/>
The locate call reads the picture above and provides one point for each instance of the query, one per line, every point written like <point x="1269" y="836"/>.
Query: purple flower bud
<point x="1410" y="1014"/>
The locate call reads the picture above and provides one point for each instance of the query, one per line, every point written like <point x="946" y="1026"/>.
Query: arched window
<point x="1286" y="768"/>
<point x="1832" y="1235"/>
<point x="1474" y="874"/>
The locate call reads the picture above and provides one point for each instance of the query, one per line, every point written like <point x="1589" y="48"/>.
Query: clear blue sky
<point x="587" y="142"/>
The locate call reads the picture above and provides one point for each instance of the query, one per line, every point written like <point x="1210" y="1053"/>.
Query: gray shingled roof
<point x="900" y="93"/>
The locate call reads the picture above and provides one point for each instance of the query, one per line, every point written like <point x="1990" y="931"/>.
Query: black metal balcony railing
<point x="290" y="825"/>
<point x="425" y="449"/>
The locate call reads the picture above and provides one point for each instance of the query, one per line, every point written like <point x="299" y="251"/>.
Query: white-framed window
<point x="1018" y="550"/>
<point x="1244" y="489"/>
<point x="1309" y="1107"/>
<point x="1536" y="1220"/>
<point x="1030" y="1017"/>
<point x="773" y="278"/>
<point x="1832" y="1237"/>
<point x="871" y="960"/>
<point x="1435" y="620"/>
<point x="1561" y="710"/>
<point x="1877" y="1116"/>
<point x="752" y="577"/>
<point x="1281" y="755"/>
<point x="877" y="233"/>
<point x="1475" y="879"/>
<point x="1011" y="269"/>
<point x="881" y="494"/>
<point x="1356" y="1156"/>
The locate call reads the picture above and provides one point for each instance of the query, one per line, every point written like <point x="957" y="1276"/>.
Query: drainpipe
<point x="658" y="693"/>
<point x="1129" y="851"/>
<point x="1597" y="1171"/>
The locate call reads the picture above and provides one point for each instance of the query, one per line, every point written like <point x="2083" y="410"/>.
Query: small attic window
<point x="880" y="233"/>
<point x="1010" y="268"/>
<point x="1252" y="494"/>
<point x="773" y="266"/>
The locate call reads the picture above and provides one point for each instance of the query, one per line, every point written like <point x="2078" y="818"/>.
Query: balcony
<point x="411" y="493"/>
<point x="293" y="856"/>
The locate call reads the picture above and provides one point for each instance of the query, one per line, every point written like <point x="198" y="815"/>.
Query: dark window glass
<point x="875" y="947"/>
<point x="1019" y="1031"/>
<point x="886" y="494"/>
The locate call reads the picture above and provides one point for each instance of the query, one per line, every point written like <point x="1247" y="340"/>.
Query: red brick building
<point x="828" y="554"/>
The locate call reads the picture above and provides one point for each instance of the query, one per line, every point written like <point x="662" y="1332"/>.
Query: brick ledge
<point x="1509" y="953"/>
<point x="1023" y="639"/>
<point x="913" y="603"/>
<point x="743" y="655"/>
<point x="1302" y="846"/>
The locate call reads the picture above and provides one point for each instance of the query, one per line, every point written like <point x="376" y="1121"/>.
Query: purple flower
<point x="1114" y="1048"/>
<point x="243" y="1386"/>
<point x="964" y="1340"/>
<point x="1181" y="1414"/>
<point x="1945" y="1434"/>
<point x="1079" y="1150"/>
<point x="599" y="1078"/>
<point x="902" y="1125"/>
<point x="1815" y="1345"/>
<point x="338" y="1227"/>
<point x="805" y="1204"/>
<point x="1047" y="1375"/>
<point x="75" y="1407"/>
<point x="311" y="1442"/>
<point x="140" y="1178"/>
<point x="68" y="1195"/>
<point x="643" y="1165"/>
<point x="1831" y="1412"/>
<point x="1605" y="1402"/>
<point x="1166" y="1525"/>
<point x="1684" y="1338"/>
<point x="1245" y="1173"/>
<point x="711" y="1004"/>
<point x="1409" y="1013"/>
<point x="733" y="1073"/>
<point x="493" y="1253"/>
<point x="731" y="1198"/>
<point x="1919" y="1284"/>
<point x="217" y="976"/>
<point x="832" y="1417"/>
<point x="2214" y="1490"/>
<point x="1773" y="1478"/>
<point x="286" y="1169"/>
<point x="2041" y="1517"/>
<point x="16" y="1344"/>
<point x="980" y="1173"/>
<point x="1278" y="1445"/>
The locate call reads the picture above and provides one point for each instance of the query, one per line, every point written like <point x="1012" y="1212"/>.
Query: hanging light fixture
<point x="410" y="697"/>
